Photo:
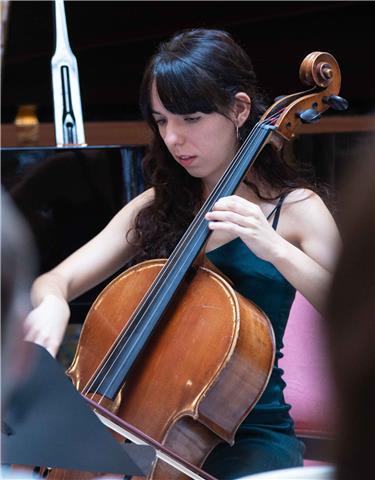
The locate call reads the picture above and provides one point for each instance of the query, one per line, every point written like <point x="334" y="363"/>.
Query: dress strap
<point x="276" y="211"/>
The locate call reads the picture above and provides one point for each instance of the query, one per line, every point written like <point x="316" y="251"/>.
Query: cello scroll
<point x="321" y="72"/>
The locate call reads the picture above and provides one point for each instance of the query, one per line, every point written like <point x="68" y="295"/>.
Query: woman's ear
<point x="241" y="108"/>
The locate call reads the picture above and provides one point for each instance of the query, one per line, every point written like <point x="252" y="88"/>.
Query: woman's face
<point x="203" y="144"/>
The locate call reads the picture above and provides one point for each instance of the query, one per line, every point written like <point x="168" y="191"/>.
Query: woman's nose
<point x="173" y="135"/>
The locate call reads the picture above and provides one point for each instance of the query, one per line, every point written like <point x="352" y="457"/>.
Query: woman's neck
<point x="246" y="191"/>
<point x="260" y="188"/>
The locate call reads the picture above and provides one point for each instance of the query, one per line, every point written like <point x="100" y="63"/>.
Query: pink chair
<point x="308" y="378"/>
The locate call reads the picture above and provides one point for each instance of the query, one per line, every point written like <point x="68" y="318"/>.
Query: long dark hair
<point x="197" y="71"/>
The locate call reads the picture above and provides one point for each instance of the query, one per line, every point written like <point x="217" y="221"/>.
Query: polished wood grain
<point x="201" y="372"/>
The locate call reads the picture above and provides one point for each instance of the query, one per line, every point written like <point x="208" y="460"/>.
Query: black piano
<point x="67" y="195"/>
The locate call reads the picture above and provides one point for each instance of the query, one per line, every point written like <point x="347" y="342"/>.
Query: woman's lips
<point x="186" y="160"/>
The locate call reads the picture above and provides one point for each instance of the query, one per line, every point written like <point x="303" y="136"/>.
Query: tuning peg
<point x="336" y="102"/>
<point x="309" y="116"/>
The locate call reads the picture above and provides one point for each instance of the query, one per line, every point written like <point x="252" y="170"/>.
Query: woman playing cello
<point x="272" y="237"/>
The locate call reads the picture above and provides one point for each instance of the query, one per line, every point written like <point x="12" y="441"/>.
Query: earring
<point x="237" y="133"/>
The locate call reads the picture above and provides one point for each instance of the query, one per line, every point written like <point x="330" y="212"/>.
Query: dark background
<point x="112" y="42"/>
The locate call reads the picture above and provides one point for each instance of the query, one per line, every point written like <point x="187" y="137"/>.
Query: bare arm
<point x="95" y="261"/>
<point x="309" y="266"/>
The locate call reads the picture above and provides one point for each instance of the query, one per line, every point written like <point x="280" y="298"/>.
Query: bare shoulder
<point x="302" y="200"/>
<point x="145" y="197"/>
<point x="131" y="209"/>
<point x="141" y="200"/>
<point x="304" y="211"/>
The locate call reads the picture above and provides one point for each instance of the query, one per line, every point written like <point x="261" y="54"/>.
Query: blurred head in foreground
<point x="351" y="323"/>
<point x="18" y="262"/>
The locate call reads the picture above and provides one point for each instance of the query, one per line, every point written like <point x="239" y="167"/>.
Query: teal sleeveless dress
<point x="265" y="440"/>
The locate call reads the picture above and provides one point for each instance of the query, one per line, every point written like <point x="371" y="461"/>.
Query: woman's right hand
<point x="46" y="324"/>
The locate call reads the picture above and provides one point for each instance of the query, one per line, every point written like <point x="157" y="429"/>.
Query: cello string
<point x="269" y="120"/>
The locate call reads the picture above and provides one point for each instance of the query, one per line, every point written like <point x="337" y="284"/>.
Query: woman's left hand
<point x="246" y="220"/>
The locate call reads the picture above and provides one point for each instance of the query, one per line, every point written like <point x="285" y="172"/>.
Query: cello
<point x="143" y="351"/>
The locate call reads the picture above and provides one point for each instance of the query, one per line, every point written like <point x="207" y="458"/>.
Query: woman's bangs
<point x="182" y="90"/>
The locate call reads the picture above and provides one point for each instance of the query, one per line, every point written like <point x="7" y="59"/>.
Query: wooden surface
<point x="138" y="133"/>
<point x="97" y="133"/>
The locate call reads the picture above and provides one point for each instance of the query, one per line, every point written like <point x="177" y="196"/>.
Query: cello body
<point x="199" y="375"/>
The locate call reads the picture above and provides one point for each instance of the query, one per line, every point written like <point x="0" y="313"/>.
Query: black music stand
<point x="49" y="424"/>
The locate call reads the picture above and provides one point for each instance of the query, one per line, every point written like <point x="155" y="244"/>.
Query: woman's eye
<point x="192" y="119"/>
<point x="160" y="122"/>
